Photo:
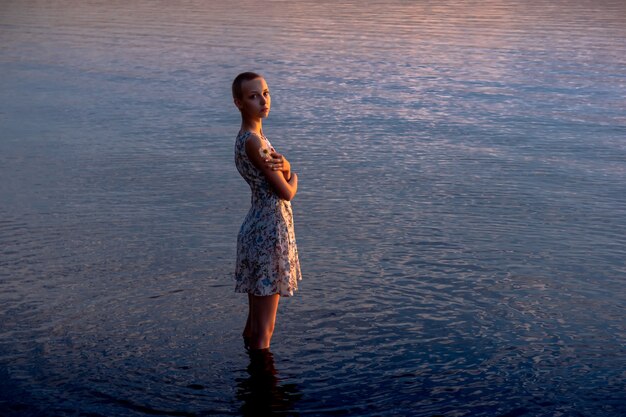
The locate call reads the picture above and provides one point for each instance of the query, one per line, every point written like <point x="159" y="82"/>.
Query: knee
<point x="265" y="332"/>
<point x="270" y="328"/>
<point x="262" y="338"/>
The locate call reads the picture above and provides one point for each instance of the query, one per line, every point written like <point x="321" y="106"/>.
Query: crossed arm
<point x="276" y="169"/>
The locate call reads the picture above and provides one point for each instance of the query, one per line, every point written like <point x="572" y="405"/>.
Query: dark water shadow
<point x="262" y="393"/>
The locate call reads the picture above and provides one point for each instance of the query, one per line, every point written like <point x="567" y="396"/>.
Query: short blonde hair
<point x="244" y="76"/>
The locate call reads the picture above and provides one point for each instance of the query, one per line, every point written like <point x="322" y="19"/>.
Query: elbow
<point x="288" y="195"/>
<point x="285" y="191"/>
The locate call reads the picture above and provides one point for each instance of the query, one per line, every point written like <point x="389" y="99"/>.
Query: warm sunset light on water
<point x="460" y="213"/>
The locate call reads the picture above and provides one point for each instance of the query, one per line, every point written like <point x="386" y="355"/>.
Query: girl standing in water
<point x="267" y="257"/>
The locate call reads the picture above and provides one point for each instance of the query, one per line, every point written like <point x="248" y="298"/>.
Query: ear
<point x="237" y="103"/>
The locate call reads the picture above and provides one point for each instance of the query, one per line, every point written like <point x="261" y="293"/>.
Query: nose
<point x="263" y="100"/>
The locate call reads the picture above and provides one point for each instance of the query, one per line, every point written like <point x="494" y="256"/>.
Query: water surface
<point x="460" y="219"/>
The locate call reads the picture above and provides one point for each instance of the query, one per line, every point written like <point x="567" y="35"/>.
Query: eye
<point x="266" y="94"/>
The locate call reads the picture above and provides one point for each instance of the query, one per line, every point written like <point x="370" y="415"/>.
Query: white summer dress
<point x="267" y="255"/>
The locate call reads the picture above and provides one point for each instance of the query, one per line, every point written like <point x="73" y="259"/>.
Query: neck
<point x="255" y="126"/>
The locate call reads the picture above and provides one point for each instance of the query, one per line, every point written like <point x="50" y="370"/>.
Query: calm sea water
<point x="461" y="217"/>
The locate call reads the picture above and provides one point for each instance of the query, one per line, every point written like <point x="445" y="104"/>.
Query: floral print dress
<point x="267" y="256"/>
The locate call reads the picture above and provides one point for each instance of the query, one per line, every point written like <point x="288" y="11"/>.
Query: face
<point x="255" y="99"/>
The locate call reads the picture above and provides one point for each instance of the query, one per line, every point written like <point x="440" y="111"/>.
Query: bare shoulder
<point x="255" y="150"/>
<point x="253" y="140"/>
<point x="254" y="144"/>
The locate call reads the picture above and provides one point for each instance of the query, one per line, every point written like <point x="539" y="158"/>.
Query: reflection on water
<point x="262" y="393"/>
<point x="461" y="210"/>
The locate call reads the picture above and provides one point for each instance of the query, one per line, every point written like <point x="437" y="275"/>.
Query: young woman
<point x="267" y="257"/>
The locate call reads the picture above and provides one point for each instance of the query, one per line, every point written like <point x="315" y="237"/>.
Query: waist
<point x="268" y="199"/>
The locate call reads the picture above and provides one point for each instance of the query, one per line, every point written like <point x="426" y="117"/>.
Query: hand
<point x="278" y="162"/>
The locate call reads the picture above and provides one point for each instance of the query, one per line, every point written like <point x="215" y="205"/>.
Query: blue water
<point x="460" y="218"/>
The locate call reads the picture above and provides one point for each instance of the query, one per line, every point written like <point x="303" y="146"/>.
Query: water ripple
<point x="460" y="215"/>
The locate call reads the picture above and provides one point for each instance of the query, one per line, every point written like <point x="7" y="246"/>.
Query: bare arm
<point x="277" y="179"/>
<point x="278" y="162"/>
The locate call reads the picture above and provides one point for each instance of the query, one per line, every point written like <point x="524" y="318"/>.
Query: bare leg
<point x="247" y="331"/>
<point x="263" y="318"/>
